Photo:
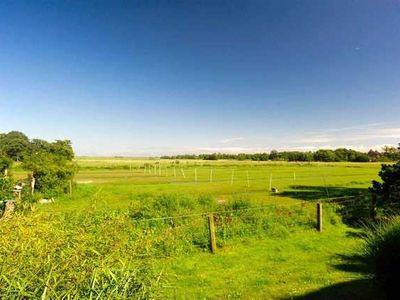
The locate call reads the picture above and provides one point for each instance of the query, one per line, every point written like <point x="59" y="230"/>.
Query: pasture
<point x="136" y="228"/>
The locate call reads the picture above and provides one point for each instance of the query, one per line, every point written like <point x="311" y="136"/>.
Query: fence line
<point x="266" y="179"/>
<point x="212" y="216"/>
<point x="204" y="214"/>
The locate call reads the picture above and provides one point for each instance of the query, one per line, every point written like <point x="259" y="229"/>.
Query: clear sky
<point x="163" y="77"/>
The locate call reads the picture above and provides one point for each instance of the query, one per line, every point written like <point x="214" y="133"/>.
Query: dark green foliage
<point x="323" y="155"/>
<point x="52" y="172"/>
<point x="14" y="145"/>
<point x="386" y="194"/>
<point x="6" y="187"/>
<point x="5" y="164"/>
<point x="383" y="253"/>
<point x="391" y="153"/>
<point x="49" y="163"/>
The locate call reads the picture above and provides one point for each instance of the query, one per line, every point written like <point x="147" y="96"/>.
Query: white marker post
<point x="183" y="173"/>
<point x="270" y="181"/>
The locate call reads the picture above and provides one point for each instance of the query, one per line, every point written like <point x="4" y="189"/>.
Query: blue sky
<point x="163" y="77"/>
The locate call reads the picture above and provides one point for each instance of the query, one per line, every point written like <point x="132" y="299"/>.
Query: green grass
<point x="269" y="268"/>
<point x="271" y="253"/>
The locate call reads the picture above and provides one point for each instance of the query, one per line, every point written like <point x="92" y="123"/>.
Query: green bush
<point x="6" y="188"/>
<point x="52" y="172"/>
<point x="383" y="253"/>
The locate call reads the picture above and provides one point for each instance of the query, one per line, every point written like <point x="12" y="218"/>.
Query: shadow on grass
<point x="354" y="213"/>
<point x="361" y="289"/>
<point x="307" y="192"/>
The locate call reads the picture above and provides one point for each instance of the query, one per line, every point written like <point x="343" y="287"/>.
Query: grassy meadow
<point x="136" y="228"/>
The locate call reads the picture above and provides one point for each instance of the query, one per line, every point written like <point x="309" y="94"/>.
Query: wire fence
<point x="222" y="224"/>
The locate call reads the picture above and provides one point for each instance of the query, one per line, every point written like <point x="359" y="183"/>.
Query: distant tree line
<point x="50" y="164"/>
<point x="324" y="155"/>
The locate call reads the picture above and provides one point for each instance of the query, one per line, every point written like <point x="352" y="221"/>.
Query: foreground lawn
<point x="275" y="268"/>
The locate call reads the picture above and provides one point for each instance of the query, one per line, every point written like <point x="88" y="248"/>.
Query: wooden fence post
<point x="211" y="227"/>
<point x="319" y="216"/>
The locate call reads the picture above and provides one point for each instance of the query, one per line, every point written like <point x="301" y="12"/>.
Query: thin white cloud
<point x="317" y="139"/>
<point x="231" y="140"/>
<point x="357" y="127"/>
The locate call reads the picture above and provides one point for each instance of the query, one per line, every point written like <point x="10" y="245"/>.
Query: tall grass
<point x="88" y="255"/>
<point x="382" y="251"/>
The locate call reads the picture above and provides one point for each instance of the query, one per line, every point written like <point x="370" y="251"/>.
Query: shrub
<point x="383" y="252"/>
<point x="5" y="164"/>
<point x="52" y="172"/>
<point x="386" y="194"/>
<point x="6" y="187"/>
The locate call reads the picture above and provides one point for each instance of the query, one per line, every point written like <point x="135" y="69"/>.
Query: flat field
<point x="120" y="179"/>
<point x="117" y="219"/>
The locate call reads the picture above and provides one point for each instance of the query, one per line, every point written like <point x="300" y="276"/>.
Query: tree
<point x="14" y="145"/>
<point x="391" y="153"/>
<point x="62" y="148"/>
<point x="274" y="155"/>
<point x="374" y="155"/>
<point x="325" y="155"/>
<point x="386" y="194"/>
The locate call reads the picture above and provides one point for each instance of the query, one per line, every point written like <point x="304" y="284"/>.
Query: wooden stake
<point x="211" y="227"/>
<point x="319" y="217"/>
<point x="33" y="180"/>
<point x="70" y="187"/>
